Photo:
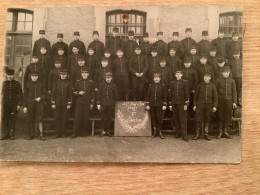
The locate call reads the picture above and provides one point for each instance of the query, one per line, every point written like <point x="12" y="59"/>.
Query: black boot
<point x="161" y="135"/>
<point x="154" y="134"/>
<point x="103" y="133"/>
<point x="31" y="134"/>
<point x="12" y="134"/>
<point x="206" y="136"/>
<point x="109" y="133"/>
<point x="197" y="135"/>
<point x="42" y="138"/>
<point x="220" y="127"/>
<point x="225" y="134"/>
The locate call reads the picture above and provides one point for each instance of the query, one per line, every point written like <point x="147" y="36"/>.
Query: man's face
<point x="207" y="79"/>
<point x="220" y="34"/>
<point x="104" y="64"/>
<point x="146" y="39"/>
<point x="188" y="34"/>
<point x="175" y="38"/>
<point x="96" y="37"/>
<point x="236" y="56"/>
<point x="81" y="62"/>
<point x="204" y="37"/>
<point x="156" y="79"/>
<point x="221" y="64"/>
<point x="138" y="51"/>
<point x="63" y="76"/>
<point x="34" y="78"/>
<point x="10" y="77"/>
<point x="131" y="37"/>
<point x="107" y="55"/>
<point x="108" y="79"/>
<point x="76" y="37"/>
<point x="91" y="52"/>
<point x="60" y="39"/>
<point x="120" y="54"/>
<point x="160" y="37"/>
<point x="60" y="52"/>
<point x="115" y="34"/>
<point x="235" y="38"/>
<point x="35" y="60"/>
<point x="154" y="53"/>
<point x="203" y="60"/>
<point x="178" y="75"/>
<point x="43" y="50"/>
<point x="193" y="51"/>
<point x="75" y="50"/>
<point x="163" y="64"/>
<point x="84" y="75"/>
<point x="212" y="53"/>
<point x="225" y="74"/>
<point x="172" y="52"/>
<point x="57" y="65"/>
<point x="42" y="36"/>
<point x="187" y="64"/>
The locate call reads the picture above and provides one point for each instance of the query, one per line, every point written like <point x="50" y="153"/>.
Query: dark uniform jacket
<point x="187" y="43"/>
<point x="72" y="62"/>
<point x="156" y="95"/>
<point x="218" y="72"/>
<point x="202" y="69"/>
<point x="87" y="86"/>
<point x="226" y="89"/>
<point x="76" y="74"/>
<point x="54" y="76"/>
<point x="203" y="47"/>
<point x="40" y="43"/>
<point x="206" y="93"/>
<point x="231" y="46"/>
<point x="114" y="43"/>
<point x="61" y="93"/>
<point x="174" y="63"/>
<point x="146" y="48"/>
<point x="80" y="45"/>
<point x="98" y="47"/>
<point x="179" y="48"/>
<point x="32" y="91"/>
<point x="121" y="67"/>
<point x="46" y="62"/>
<point x="138" y="64"/>
<point x="34" y="68"/>
<point x="92" y="62"/>
<point x="58" y="45"/>
<point x="179" y="92"/>
<point x="166" y="76"/>
<point x="220" y="44"/>
<point x="12" y="92"/>
<point x="213" y="61"/>
<point x="190" y="75"/>
<point x="107" y="94"/>
<point x="235" y="67"/>
<point x="153" y="63"/>
<point x="195" y="60"/>
<point x="100" y="75"/>
<point x="130" y="46"/>
<point x="162" y="48"/>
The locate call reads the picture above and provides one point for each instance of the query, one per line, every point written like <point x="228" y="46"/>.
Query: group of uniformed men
<point x="185" y="76"/>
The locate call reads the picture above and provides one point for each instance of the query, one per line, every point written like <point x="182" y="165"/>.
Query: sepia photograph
<point x="152" y="84"/>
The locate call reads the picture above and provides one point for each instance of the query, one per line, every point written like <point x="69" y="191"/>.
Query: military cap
<point x="120" y="50"/>
<point x="76" y="33"/>
<point x="95" y="32"/>
<point x="108" y="74"/>
<point x="91" y="48"/>
<point x="173" y="48"/>
<point x="59" y="35"/>
<point x="226" y="69"/>
<point x="221" y="59"/>
<point x="154" y="49"/>
<point x="207" y="74"/>
<point x="63" y="71"/>
<point x="146" y="34"/>
<point x="159" y="33"/>
<point x="220" y="30"/>
<point x="162" y="59"/>
<point x="57" y="61"/>
<point x="212" y="48"/>
<point x="235" y="34"/>
<point x="156" y="74"/>
<point x="187" y="60"/>
<point x="42" y="32"/>
<point x="9" y="71"/>
<point x="175" y="34"/>
<point x="34" y="73"/>
<point x="137" y="47"/>
<point x="60" y="48"/>
<point x="35" y="56"/>
<point x="236" y="52"/>
<point x="178" y="71"/>
<point x="75" y="46"/>
<point x="193" y="47"/>
<point x="106" y="50"/>
<point x="81" y="57"/>
<point x="43" y="46"/>
<point x="204" y="56"/>
<point x="85" y="71"/>
<point x="131" y="33"/>
<point x="188" y="29"/>
<point x="204" y="33"/>
<point x="115" y="29"/>
<point x="104" y="59"/>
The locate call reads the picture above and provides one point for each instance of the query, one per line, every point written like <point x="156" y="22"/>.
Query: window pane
<point x="27" y="50"/>
<point x="9" y="26"/>
<point x="24" y="40"/>
<point x="132" y="19"/>
<point x="28" y="26"/>
<point x="138" y="30"/>
<point x="230" y="20"/>
<point x="9" y="16"/>
<point x="118" y="18"/>
<point x="20" y="26"/>
<point x="7" y="60"/>
<point x="139" y="19"/>
<point x="113" y="20"/>
<point x="29" y="17"/>
<point x="21" y="16"/>
<point x="19" y="50"/>
<point x="8" y="40"/>
<point x="8" y="50"/>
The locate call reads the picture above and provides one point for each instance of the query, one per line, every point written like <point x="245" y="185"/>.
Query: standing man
<point x="130" y="45"/>
<point x="188" y="42"/>
<point x="220" y="44"/>
<point x="78" y="43"/>
<point x="161" y="45"/>
<point x="233" y="45"/>
<point x="145" y="45"/>
<point x="204" y="45"/>
<point x="97" y="45"/>
<point x="41" y="42"/>
<point x="175" y="43"/>
<point x="59" y="44"/>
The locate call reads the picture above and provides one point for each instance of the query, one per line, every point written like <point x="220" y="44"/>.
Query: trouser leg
<point x="176" y="119"/>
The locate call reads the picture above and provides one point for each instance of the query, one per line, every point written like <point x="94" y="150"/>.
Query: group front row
<point x="220" y="97"/>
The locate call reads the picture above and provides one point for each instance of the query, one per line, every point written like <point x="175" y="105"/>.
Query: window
<point x="136" y="22"/>
<point x="230" y="22"/>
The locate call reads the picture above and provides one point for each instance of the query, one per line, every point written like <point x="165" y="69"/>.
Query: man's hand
<point x="98" y="107"/>
<point x="96" y="89"/>
<point x="164" y="108"/>
<point x="81" y="92"/>
<point x="170" y="107"/>
<point x="137" y="74"/>
<point x="38" y="99"/>
<point x="214" y="109"/>
<point x="193" y="91"/>
<point x="76" y="92"/>
<point x="194" y="108"/>
<point x="91" y="106"/>
<point x="141" y="74"/>
<point x="25" y="110"/>
<point x="18" y="108"/>
<point x="147" y="107"/>
<point x="68" y="107"/>
<point x="53" y="106"/>
<point x="234" y="105"/>
<point x="49" y="92"/>
<point x="185" y="107"/>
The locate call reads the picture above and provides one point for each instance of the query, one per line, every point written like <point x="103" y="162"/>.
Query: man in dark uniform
<point x="233" y="45"/>
<point x="11" y="103"/>
<point x="166" y="73"/>
<point x="212" y="57"/>
<point x="62" y="58"/>
<point x="179" y="101"/>
<point x="220" y="44"/>
<point x="202" y="68"/>
<point x="161" y="45"/>
<point x="77" y="42"/>
<point x="145" y="45"/>
<point x="59" y="44"/>
<point x="73" y="60"/>
<point x="175" y="43"/>
<point x="153" y="63"/>
<point x="130" y="45"/>
<point x="195" y="58"/>
<point x="106" y="98"/>
<point x="41" y="42"/>
<point x="205" y="102"/>
<point x="138" y="67"/>
<point x="92" y="63"/>
<point x="188" y="41"/>
<point x="34" y="94"/>
<point x="84" y="90"/>
<point x="61" y="99"/>
<point x="54" y="75"/>
<point x="114" y="43"/>
<point x="173" y="62"/>
<point x="77" y="71"/>
<point x="204" y="45"/>
<point x="156" y="102"/>
<point x="97" y="45"/>
<point x="227" y="100"/>
<point x="220" y="67"/>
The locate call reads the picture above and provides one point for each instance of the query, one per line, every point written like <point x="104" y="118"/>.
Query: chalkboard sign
<point x="131" y="119"/>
